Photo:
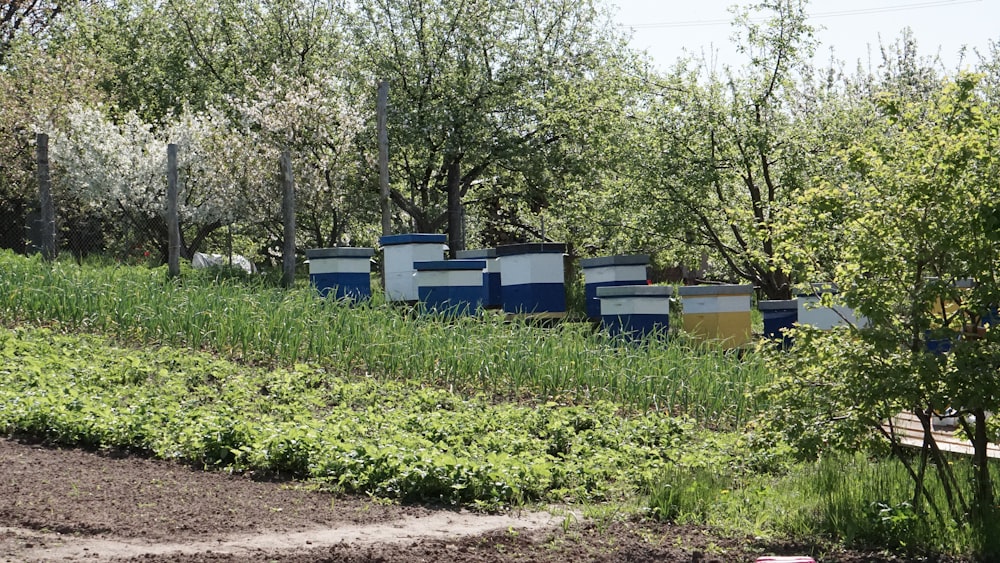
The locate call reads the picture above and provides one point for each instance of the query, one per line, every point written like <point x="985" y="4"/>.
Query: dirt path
<point x="73" y="505"/>
<point x="445" y="526"/>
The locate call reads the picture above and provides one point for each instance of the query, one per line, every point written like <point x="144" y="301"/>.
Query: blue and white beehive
<point x="491" y="275"/>
<point x="344" y="272"/>
<point x="532" y="278"/>
<point x="779" y="315"/>
<point x="611" y="271"/>
<point x="453" y="287"/>
<point x="635" y="310"/>
<point x="812" y="311"/>
<point x="399" y="254"/>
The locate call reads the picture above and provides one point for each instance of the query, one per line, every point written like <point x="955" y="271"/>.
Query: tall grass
<point x="861" y="501"/>
<point x="257" y="323"/>
<point x="868" y="502"/>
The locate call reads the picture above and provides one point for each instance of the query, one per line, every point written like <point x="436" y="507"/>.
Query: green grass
<point x="259" y="324"/>
<point x="852" y="499"/>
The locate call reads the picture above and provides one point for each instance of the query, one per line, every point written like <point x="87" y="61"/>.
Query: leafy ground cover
<point x="393" y="439"/>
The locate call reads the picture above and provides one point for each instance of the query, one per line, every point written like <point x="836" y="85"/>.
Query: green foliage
<point x="400" y="440"/>
<point x="357" y="420"/>
<point x="725" y="152"/>
<point x="867" y="502"/>
<point x="262" y="324"/>
<point x="493" y="106"/>
<point x="158" y="57"/>
<point x="818" y="414"/>
<point x="910" y="224"/>
<point x="686" y="496"/>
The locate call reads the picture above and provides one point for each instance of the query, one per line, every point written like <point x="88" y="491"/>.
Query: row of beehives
<point x="416" y="270"/>
<point x="529" y="279"/>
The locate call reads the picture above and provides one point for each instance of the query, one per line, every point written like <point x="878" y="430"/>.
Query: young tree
<point x="917" y="216"/>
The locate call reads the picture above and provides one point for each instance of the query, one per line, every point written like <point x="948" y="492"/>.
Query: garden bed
<point x="75" y="505"/>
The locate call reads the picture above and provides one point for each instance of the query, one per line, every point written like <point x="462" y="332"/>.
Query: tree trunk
<point x="983" y="509"/>
<point x="952" y="491"/>
<point x="776" y="285"/>
<point x="981" y="460"/>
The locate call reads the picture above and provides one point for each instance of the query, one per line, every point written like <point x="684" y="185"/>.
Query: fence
<point x="62" y="223"/>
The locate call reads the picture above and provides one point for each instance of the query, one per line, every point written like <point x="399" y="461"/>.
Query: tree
<point x="158" y="57"/>
<point x="273" y="69"/>
<point x="314" y="118"/>
<point x="488" y="101"/>
<point x="37" y="85"/>
<point x="32" y="18"/>
<point x="727" y="152"/>
<point x="917" y="216"/>
<point x="119" y="171"/>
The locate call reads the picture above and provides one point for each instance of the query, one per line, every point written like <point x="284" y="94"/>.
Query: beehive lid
<point x="778" y="305"/>
<point x="620" y="260"/>
<point x="476" y="254"/>
<point x="635" y="291"/>
<point x="413" y="238"/>
<point x="428" y="265"/>
<point x="707" y="290"/>
<point x="531" y="248"/>
<point x="339" y="252"/>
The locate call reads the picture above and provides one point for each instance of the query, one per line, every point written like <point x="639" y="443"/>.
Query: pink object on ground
<point x="785" y="560"/>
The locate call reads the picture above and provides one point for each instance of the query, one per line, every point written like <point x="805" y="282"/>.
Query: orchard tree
<point x="916" y="217"/>
<point x="727" y="151"/>
<point x="314" y="118"/>
<point x="119" y="171"/>
<point x="489" y="103"/>
<point x="158" y="57"/>
<point x="234" y="39"/>
<point x="273" y="68"/>
<point x="37" y="86"/>
<point x="27" y="20"/>
<point x="142" y="60"/>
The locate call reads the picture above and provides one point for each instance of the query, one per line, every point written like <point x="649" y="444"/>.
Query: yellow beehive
<point x="717" y="313"/>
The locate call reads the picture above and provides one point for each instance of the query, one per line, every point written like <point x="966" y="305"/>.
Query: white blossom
<point x="123" y="166"/>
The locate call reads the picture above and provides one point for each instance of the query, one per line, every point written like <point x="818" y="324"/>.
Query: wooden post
<point x="456" y="240"/>
<point x="48" y="211"/>
<point x="288" y="210"/>
<point x="382" y="108"/>
<point x="173" y="221"/>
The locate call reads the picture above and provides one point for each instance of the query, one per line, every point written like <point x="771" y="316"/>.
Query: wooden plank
<point x="910" y="433"/>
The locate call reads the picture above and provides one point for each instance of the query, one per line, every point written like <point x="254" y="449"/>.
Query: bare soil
<point x="59" y="504"/>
